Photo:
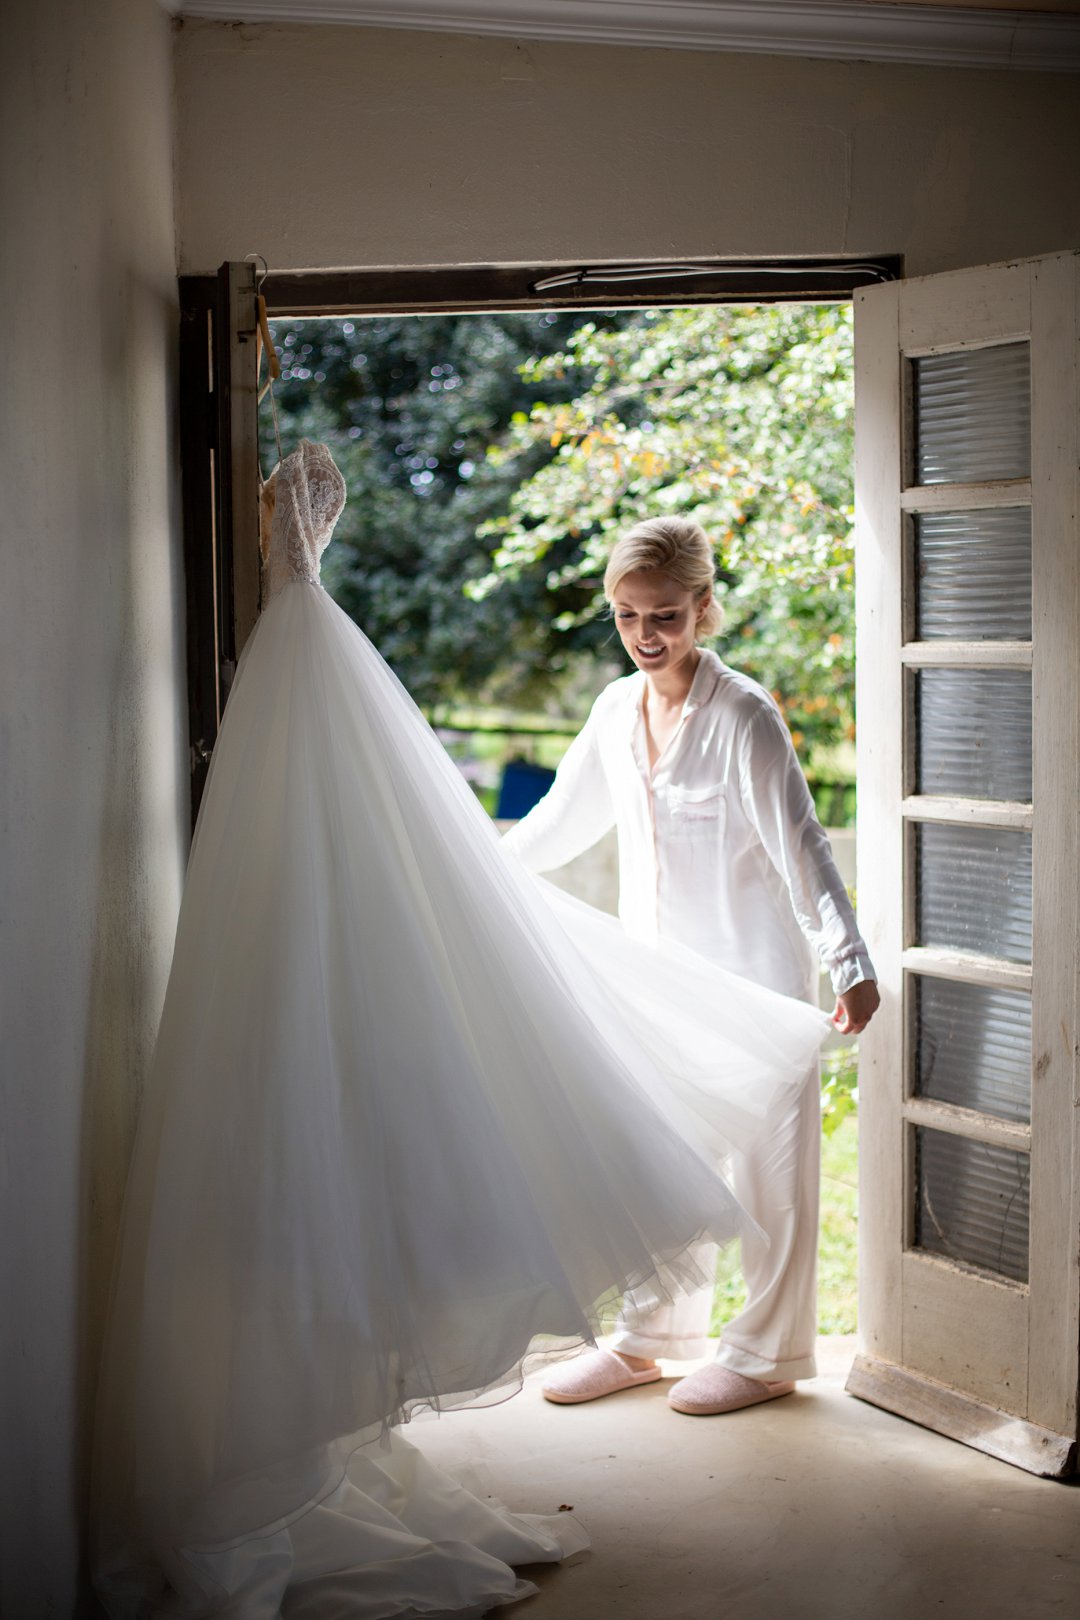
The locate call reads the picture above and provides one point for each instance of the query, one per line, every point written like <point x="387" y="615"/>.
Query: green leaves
<point x="492" y="460"/>
<point x="411" y="407"/>
<point x="742" y="417"/>
<point x="839" y="1087"/>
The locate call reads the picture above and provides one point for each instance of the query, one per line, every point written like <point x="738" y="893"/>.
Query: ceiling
<point x="1039" y="35"/>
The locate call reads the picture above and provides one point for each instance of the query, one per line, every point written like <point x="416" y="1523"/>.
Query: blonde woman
<point x="720" y="850"/>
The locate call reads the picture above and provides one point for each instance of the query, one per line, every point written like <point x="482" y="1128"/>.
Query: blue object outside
<point x="523" y="785"/>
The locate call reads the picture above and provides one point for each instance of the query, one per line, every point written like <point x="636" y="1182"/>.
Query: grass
<point x="837" y="1292"/>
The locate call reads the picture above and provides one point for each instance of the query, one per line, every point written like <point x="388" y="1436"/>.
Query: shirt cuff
<point x="851" y="971"/>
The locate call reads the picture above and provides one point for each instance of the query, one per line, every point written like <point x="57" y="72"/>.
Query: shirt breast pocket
<point x="697" y="812"/>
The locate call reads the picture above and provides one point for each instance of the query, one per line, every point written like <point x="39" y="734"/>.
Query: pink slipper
<point x="714" y="1389"/>
<point x="600" y="1372"/>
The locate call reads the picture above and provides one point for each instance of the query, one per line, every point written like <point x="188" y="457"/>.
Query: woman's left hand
<point x="855" y="1007"/>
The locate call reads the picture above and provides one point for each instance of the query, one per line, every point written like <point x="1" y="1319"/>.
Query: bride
<point x="412" y="1116"/>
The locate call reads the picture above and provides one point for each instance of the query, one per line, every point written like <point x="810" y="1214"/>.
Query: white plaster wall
<point x="91" y="715"/>
<point x="328" y="146"/>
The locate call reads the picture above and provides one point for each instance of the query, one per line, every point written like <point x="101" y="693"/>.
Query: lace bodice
<point x="309" y="494"/>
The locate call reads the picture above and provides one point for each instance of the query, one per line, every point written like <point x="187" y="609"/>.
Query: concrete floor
<point x="814" y="1507"/>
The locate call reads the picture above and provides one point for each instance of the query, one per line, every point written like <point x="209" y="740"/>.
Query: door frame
<point x="219" y="440"/>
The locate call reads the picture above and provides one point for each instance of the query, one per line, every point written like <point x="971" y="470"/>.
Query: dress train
<point x="409" y="1120"/>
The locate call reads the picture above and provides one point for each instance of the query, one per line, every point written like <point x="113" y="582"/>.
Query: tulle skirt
<point x="411" y="1117"/>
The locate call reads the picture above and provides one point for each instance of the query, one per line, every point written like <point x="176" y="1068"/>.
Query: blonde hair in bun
<point x="670" y="545"/>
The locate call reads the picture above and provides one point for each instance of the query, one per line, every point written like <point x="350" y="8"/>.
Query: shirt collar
<point x="701" y="690"/>
<point x="703" y="685"/>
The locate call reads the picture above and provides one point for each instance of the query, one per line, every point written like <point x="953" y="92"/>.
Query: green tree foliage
<point x="411" y="407"/>
<point x="740" y="417"/>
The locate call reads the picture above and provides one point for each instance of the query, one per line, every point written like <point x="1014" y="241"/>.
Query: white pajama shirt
<point x="719" y="849"/>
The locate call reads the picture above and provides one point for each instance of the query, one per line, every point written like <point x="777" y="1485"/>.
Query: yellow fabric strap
<point x="263" y="340"/>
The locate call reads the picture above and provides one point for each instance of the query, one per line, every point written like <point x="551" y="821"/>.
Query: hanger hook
<point x="259" y="278"/>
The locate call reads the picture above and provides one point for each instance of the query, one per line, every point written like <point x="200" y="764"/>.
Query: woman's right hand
<point x="855" y="1007"/>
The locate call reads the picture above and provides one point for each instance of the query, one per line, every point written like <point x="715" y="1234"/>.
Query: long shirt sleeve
<point x="576" y="811"/>
<point x="777" y="802"/>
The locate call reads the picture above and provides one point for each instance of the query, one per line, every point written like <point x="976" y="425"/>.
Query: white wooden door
<point x="968" y="566"/>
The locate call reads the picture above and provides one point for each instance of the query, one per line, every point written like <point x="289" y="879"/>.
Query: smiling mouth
<point x="651" y="652"/>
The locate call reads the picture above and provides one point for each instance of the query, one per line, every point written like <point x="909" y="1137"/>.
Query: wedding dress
<point x="411" y="1116"/>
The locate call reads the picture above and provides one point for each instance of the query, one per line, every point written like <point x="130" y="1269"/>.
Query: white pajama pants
<point x="773" y="1336"/>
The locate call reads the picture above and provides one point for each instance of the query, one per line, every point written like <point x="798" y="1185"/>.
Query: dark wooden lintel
<point x="440" y="290"/>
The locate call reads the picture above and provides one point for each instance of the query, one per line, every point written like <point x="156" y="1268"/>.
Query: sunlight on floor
<point x="815" y="1507"/>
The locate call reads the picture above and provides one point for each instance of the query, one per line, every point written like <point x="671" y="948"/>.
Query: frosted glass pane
<point x="973" y="575"/>
<point x="973" y="415"/>
<point x="973" y="1046"/>
<point x="973" y="889"/>
<point x="973" y="730"/>
<point x="972" y="1202"/>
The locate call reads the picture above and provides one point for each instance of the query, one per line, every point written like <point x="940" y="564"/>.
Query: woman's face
<point x="656" y="619"/>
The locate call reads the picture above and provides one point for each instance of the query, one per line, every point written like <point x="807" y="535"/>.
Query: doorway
<point x="491" y="459"/>
<point x="929" y="1311"/>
